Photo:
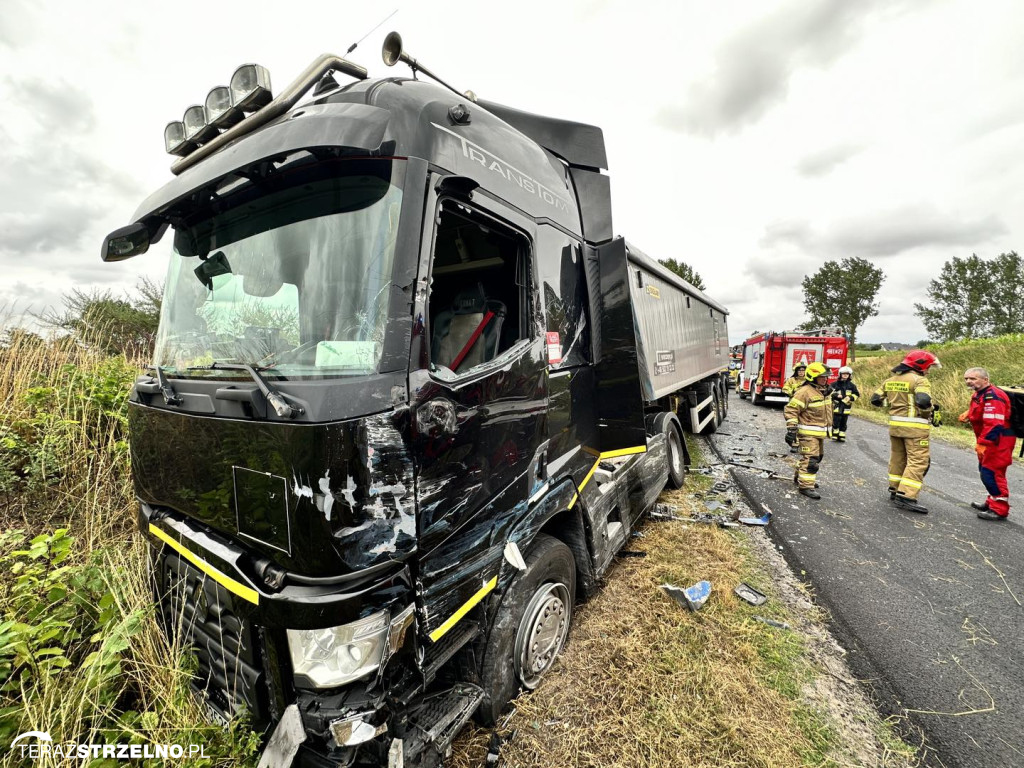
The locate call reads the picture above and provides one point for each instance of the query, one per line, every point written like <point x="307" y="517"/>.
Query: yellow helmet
<point x="814" y="370"/>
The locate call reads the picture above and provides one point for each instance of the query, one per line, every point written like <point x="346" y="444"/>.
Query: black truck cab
<point x="394" y="424"/>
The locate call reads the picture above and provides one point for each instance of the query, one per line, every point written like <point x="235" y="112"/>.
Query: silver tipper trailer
<point x="682" y="342"/>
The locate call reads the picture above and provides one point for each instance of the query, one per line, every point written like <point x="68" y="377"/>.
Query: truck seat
<point x="455" y="326"/>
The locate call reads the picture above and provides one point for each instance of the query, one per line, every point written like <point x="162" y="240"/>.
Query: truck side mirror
<point x="126" y="242"/>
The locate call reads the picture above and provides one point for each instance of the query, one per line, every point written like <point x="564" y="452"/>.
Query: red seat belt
<point x="472" y="340"/>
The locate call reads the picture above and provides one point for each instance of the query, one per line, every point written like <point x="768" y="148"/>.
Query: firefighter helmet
<point x="846" y="369"/>
<point x="816" y="370"/>
<point x="921" y="360"/>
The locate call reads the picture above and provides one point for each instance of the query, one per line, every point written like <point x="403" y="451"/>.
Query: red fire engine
<point x="769" y="358"/>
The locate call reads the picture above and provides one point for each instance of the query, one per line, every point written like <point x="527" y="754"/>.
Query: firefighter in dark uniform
<point x="808" y="418"/>
<point x="907" y="394"/>
<point x="844" y="393"/>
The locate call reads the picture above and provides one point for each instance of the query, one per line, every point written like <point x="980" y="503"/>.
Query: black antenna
<point x="357" y="42"/>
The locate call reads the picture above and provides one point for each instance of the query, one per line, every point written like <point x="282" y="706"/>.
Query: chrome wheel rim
<point x="542" y="632"/>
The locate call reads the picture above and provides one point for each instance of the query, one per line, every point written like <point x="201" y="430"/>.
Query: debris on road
<point x="746" y="592"/>
<point x="763" y="520"/>
<point x="692" y="597"/>
<point x="771" y="622"/>
<point x="663" y="512"/>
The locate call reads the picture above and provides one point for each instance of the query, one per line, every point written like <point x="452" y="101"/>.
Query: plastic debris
<point x="746" y="592"/>
<point x="763" y="520"/>
<point x="713" y="504"/>
<point x="772" y="622"/>
<point x="493" y="750"/>
<point x="721" y="485"/>
<point x="665" y="512"/>
<point x="692" y="597"/>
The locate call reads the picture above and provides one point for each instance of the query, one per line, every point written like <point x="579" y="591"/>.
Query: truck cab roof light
<point x="219" y="110"/>
<point x="175" y="141"/>
<point x="250" y="87"/>
<point x="197" y="129"/>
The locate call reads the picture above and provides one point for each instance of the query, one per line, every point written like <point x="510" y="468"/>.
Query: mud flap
<point x="618" y="395"/>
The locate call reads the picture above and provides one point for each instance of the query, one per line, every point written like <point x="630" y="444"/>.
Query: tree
<point x="843" y="294"/>
<point x="1005" y="307"/>
<point x="99" y="319"/>
<point x="959" y="301"/>
<point x="685" y="271"/>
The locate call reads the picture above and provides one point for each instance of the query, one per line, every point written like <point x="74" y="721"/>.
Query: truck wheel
<point x="676" y="454"/>
<point x="716" y="404"/>
<point x="530" y="626"/>
<point x="755" y="398"/>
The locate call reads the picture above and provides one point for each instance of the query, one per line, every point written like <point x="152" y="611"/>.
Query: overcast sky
<point x="754" y="140"/>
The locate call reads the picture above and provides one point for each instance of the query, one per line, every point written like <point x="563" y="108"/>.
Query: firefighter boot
<point x="981" y="506"/>
<point x="911" y="505"/>
<point x="810" y="493"/>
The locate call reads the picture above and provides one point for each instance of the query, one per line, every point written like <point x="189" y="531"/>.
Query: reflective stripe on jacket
<point x="906" y="419"/>
<point x="809" y="410"/>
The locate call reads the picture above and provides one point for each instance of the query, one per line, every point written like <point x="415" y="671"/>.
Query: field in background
<point x="1002" y="356"/>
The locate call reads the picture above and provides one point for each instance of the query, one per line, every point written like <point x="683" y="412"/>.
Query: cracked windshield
<point x="293" y="282"/>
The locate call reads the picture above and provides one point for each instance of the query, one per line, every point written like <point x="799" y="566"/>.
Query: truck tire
<point x="530" y="627"/>
<point x="675" y="449"/>
<point x="755" y="398"/>
<point x="712" y="426"/>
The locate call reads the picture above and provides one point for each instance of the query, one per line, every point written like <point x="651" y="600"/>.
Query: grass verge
<point x="644" y="682"/>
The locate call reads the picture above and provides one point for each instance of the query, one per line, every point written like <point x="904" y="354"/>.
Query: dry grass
<point x="644" y="682"/>
<point x="63" y="404"/>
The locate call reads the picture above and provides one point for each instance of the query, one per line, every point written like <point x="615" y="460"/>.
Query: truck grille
<point x="200" y="614"/>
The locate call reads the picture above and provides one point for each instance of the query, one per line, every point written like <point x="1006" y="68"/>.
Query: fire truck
<point x="409" y="397"/>
<point x="769" y="358"/>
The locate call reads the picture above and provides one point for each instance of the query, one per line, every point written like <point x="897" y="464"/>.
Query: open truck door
<point x="618" y="396"/>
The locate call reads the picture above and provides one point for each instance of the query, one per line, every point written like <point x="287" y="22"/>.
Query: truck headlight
<point x="335" y="656"/>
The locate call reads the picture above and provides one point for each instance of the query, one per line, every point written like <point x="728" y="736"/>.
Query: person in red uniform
<point x="989" y="415"/>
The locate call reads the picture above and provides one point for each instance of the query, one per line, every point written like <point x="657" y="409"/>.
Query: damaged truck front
<point x="397" y="418"/>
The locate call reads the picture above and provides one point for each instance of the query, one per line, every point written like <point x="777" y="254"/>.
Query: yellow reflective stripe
<point x="623" y="452"/>
<point x="600" y="457"/>
<point x="590" y="474"/>
<point x="804" y="476"/>
<point x="914" y="424"/>
<point x="792" y="422"/>
<point x="811" y="429"/>
<point x="911" y="483"/>
<point x="235" y="587"/>
<point x="438" y="633"/>
<point x="796" y="403"/>
<point x="895" y="478"/>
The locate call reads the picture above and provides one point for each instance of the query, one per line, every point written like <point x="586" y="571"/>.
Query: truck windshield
<point x="290" y="275"/>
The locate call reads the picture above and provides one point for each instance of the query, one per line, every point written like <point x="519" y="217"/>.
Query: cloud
<point x="884" y="234"/>
<point x="780" y="272"/>
<point x="752" y="70"/>
<point x="822" y="162"/>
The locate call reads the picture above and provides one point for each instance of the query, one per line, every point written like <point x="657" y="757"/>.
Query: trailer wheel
<point x="716" y="404"/>
<point x="530" y="626"/>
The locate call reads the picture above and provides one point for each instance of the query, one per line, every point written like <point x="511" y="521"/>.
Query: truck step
<point x="434" y="724"/>
<point x="440" y="653"/>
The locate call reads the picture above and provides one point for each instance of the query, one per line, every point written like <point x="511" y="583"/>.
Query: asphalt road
<point x="929" y="606"/>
